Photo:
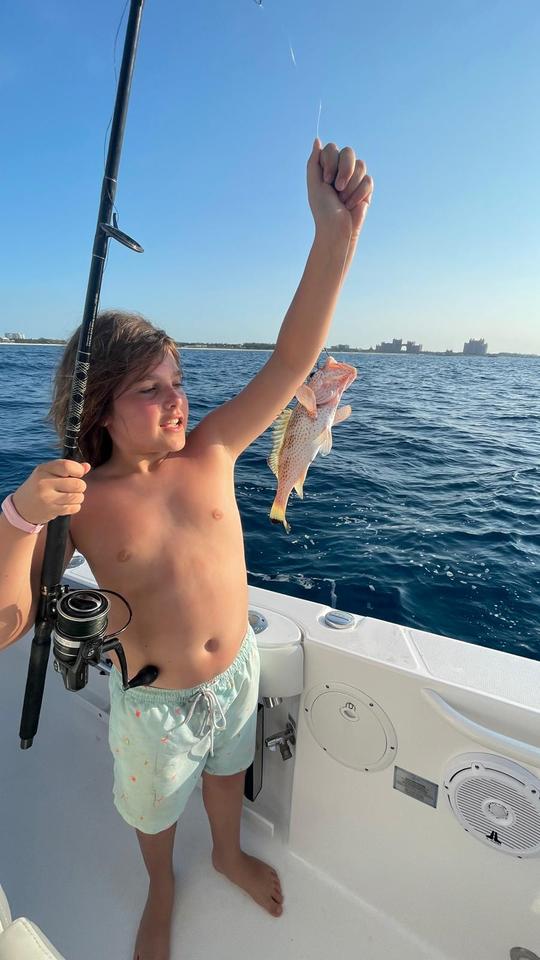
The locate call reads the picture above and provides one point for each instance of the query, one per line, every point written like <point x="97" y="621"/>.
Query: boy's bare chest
<point x="176" y="519"/>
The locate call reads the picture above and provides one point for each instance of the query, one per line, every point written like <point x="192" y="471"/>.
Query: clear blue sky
<point x="440" y="99"/>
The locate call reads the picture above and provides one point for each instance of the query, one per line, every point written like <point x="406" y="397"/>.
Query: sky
<point x="440" y="100"/>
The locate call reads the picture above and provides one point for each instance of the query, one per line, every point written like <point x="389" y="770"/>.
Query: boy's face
<point x="150" y="416"/>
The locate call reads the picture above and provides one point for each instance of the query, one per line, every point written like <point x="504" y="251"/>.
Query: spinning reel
<point x="80" y="619"/>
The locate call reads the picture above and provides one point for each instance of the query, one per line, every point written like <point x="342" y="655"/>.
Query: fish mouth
<point x="348" y="375"/>
<point x="352" y="376"/>
<point x="347" y="371"/>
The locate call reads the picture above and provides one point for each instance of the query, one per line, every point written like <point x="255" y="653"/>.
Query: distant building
<point x="15" y="336"/>
<point x="394" y="347"/>
<point x="475" y="348"/>
<point x="413" y="347"/>
<point x="340" y="347"/>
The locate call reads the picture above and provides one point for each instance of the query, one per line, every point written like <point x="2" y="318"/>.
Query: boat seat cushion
<point x="22" y="940"/>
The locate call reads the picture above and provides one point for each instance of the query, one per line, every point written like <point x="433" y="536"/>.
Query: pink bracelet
<point x="14" y="518"/>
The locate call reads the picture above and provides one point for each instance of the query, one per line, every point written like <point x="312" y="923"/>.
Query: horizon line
<point x="266" y="347"/>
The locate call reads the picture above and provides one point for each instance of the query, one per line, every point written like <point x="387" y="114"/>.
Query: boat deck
<point x="70" y="863"/>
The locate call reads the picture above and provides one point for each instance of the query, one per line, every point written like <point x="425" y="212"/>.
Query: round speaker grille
<point x="497" y="801"/>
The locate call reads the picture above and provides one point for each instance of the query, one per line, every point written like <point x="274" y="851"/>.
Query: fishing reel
<point x="79" y="638"/>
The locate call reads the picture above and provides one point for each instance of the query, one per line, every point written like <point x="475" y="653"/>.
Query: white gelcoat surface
<point x="366" y="870"/>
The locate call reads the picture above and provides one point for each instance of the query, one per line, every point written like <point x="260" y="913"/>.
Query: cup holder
<point x="257" y="621"/>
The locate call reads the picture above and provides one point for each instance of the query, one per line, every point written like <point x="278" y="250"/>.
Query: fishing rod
<point x="77" y="620"/>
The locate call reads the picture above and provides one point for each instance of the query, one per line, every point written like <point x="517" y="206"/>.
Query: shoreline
<point x="363" y="353"/>
<point x="27" y="343"/>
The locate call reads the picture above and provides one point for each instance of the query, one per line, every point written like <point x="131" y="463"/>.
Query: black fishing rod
<point x="78" y="619"/>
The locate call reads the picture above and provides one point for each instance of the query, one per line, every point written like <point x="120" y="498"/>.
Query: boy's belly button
<point x="211" y="645"/>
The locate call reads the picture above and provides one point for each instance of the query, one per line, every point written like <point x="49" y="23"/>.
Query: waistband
<point x="165" y="695"/>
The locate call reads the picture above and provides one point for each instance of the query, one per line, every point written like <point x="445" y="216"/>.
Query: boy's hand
<point x="339" y="190"/>
<point x="54" y="489"/>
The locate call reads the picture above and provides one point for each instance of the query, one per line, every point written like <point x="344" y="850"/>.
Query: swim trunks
<point x="162" y="740"/>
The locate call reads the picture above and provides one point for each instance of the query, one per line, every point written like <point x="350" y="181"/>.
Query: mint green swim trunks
<point x="162" y="740"/>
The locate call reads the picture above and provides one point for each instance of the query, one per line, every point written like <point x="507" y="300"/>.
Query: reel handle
<point x="146" y="674"/>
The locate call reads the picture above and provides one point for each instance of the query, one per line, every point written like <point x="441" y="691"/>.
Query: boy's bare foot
<point x="255" y="877"/>
<point x="154" y="935"/>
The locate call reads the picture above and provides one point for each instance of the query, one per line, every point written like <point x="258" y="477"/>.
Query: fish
<point x="300" y="433"/>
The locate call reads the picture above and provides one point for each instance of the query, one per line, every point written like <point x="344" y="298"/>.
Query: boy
<point x="157" y="521"/>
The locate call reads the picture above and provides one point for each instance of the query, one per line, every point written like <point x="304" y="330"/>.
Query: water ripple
<point x="426" y="513"/>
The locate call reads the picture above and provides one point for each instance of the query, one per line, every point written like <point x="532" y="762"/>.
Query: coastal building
<point x="413" y="347"/>
<point x="14" y="336"/>
<point x="475" y="348"/>
<point x="386" y="347"/>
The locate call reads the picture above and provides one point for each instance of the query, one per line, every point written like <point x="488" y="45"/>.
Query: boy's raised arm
<point x="339" y="192"/>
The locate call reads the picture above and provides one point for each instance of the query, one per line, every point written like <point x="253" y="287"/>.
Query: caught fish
<point x="301" y="433"/>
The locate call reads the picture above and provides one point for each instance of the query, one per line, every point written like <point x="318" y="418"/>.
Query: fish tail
<point x="277" y="513"/>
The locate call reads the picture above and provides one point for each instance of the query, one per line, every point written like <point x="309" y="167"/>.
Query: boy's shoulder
<point x="200" y="446"/>
<point x="201" y="451"/>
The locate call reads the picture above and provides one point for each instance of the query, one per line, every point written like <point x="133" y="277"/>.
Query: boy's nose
<point x="172" y="397"/>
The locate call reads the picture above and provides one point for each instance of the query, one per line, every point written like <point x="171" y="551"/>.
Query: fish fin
<point x="279" y="429"/>
<point x="277" y="514"/>
<point x="342" y="414"/>
<point x="306" y="397"/>
<point x="299" y="485"/>
<point x="325" y="440"/>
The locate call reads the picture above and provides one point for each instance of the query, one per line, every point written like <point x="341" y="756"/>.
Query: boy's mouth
<point x="174" y="423"/>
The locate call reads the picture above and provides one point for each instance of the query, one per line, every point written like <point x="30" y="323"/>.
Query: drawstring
<point x="211" y="717"/>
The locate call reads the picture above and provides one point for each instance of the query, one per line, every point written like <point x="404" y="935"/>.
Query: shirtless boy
<point x="157" y="520"/>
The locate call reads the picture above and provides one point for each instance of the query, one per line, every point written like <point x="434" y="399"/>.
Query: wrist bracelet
<point x="14" y="518"/>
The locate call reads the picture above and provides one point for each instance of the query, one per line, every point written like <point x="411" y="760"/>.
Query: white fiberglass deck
<point x="69" y="863"/>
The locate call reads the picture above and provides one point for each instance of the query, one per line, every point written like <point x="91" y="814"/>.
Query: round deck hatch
<point x="350" y="726"/>
<point x="339" y="619"/>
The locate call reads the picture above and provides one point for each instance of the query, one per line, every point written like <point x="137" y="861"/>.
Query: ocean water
<point x="426" y="513"/>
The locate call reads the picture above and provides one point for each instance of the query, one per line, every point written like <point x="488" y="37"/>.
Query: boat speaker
<point x="497" y="801"/>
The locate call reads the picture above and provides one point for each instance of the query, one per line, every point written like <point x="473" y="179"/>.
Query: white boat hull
<point x="367" y="869"/>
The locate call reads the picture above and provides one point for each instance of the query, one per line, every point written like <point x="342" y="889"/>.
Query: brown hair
<point x="124" y="347"/>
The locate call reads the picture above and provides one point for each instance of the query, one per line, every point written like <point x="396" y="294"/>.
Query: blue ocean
<point x="426" y="513"/>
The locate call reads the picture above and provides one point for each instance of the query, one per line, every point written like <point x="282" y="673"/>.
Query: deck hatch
<point x="350" y="726"/>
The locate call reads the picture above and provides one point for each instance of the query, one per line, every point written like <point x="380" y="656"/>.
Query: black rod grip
<point x="51" y="574"/>
<point x="35" y="684"/>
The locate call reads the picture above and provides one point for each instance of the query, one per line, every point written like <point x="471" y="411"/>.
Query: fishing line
<point x="116" y="41"/>
<point x="115" y="78"/>
<point x="292" y="54"/>
<point x="291" y="51"/>
<point x="319" y="119"/>
<point x="115" y="208"/>
<point x="287" y="36"/>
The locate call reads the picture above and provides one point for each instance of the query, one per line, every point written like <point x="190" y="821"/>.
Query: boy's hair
<point x="124" y="347"/>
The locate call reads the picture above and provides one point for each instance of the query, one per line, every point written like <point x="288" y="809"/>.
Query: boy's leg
<point x="153" y="938"/>
<point x="222" y="798"/>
